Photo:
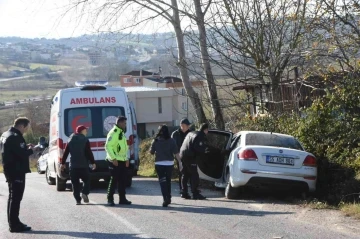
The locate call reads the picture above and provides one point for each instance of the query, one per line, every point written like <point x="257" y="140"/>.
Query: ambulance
<point x="97" y="106"/>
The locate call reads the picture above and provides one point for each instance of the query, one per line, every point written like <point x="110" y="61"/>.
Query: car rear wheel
<point x="60" y="184"/>
<point x="230" y="192"/>
<point x="49" y="180"/>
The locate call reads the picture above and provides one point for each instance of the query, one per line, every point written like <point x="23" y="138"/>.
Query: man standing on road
<point x="179" y="137"/>
<point x="116" y="155"/>
<point x="15" y="154"/>
<point x="194" y="146"/>
<point x="79" y="148"/>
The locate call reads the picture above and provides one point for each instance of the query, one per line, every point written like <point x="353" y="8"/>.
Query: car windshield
<point x="273" y="140"/>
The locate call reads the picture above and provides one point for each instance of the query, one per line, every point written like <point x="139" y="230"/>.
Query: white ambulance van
<point x="95" y="105"/>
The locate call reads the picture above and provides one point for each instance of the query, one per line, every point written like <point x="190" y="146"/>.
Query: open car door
<point x="211" y="167"/>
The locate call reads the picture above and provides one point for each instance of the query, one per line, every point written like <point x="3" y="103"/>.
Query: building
<point x="293" y="95"/>
<point x="95" y="57"/>
<point x="169" y="89"/>
<point x="155" y="106"/>
<point x="138" y="78"/>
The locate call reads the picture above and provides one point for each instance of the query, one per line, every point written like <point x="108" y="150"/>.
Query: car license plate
<point x="280" y="160"/>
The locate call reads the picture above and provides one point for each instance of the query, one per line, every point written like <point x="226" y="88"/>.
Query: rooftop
<point x="143" y="73"/>
<point x="144" y="89"/>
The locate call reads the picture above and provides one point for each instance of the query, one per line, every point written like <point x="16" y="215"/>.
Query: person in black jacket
<point x="15" y="159"/>
<point x="164" y="149"/>
<point x="79" y="148"/>
<point x="194" y="146"/>
<point x="179" y="137"/>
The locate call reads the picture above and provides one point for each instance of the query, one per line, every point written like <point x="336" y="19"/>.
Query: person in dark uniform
<point x="193" y="147"/>
<point x="79" y="148"/>
<point x="15" y="155"/>
<point x="179" y="137"/>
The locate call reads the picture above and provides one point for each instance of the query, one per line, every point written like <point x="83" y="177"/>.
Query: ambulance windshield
<point x="99" y="120"/>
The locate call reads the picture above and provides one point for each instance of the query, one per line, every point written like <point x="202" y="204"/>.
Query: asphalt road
<point x="54" y="215"/>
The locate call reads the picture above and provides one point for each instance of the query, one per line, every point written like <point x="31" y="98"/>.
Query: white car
<point x="42" y="161"/>
<point x="258" y="159"/>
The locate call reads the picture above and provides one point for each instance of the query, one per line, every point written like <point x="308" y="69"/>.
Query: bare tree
<point x="201" y="10"/>
<point x="340" y="32"/>
<point x="146" y="11"/>
<point x="256" y="40"/>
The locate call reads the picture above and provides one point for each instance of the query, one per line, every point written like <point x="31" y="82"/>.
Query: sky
<point x="44" y="18"/>
<point x="35" y="19"/>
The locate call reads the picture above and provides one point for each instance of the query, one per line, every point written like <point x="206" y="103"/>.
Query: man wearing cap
<point x="179" y="136"/>
<point x="116" y="154"/>
<point x="79" y="148"/>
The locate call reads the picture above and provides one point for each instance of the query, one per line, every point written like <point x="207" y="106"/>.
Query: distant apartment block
<point x="95" y="57"/>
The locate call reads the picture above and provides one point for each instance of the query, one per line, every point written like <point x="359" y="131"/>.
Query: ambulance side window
<point x="110" y="113"/>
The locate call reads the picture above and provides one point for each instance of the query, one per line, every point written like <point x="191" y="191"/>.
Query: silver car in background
<point x="42" y="161"/>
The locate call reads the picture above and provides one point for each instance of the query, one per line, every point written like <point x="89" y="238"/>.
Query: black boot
<point x="125" y="202"/>
<point x="20" y="228"/>
<point x="166" y="202"/>
<point x="198" y="196"/>
<point x="185" y="196"/>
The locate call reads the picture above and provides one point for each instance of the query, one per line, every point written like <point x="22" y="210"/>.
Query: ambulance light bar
<point x="91" y="83"/>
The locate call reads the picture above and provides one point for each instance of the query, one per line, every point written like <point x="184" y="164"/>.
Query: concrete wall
<point x="147" y="108"/>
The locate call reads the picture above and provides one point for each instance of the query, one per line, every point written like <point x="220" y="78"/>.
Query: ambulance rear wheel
<point x="129" y="181"/>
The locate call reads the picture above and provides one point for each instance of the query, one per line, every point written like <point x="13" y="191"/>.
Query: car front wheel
<point x="38" y="168"/>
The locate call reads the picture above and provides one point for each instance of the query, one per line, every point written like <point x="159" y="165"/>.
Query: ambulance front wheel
<point x="60" y="184"/>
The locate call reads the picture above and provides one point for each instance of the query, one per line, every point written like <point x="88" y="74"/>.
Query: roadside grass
<point x="26" y="94"/>
<point x="4" y="68"/>
<point x="51" y="67"/>
<point x="29" y="88"/>
<point x="315" y="204"/>
<point x="147" y="165"/>
<point x="32" y="165"/>
<point x="351" y="210"/>
<point x="147" y="162"/>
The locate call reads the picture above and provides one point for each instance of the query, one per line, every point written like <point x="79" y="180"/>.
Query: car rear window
<point x="99" y="120"/>
<point x="273" y="140"/>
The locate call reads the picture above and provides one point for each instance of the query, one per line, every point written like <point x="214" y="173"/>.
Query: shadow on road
<point x="145" y="187"/>
<point x="202" y="210"/>
<point x="85" y="234"/>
